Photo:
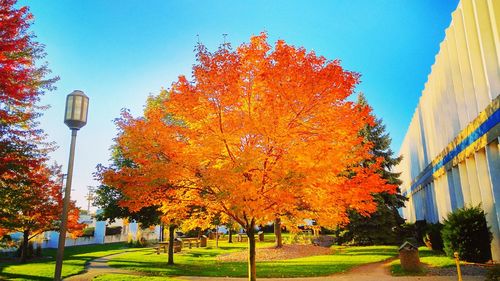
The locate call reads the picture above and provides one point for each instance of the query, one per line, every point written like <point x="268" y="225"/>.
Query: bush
<point x="465" y="231"/>
<point x="6" y="241"/>
<point x="432" y="237"/>
<point x="30" y="249"/>
<point x="113" y="230"/>
<point x="88" y="232"/>
<point x="189" y="233"/>
<point x="141" y="243"/>
<point x="328" y="231"/>
<point x="267" y="228"/>
<point x="421" y="229"/>
<point x="298" y="238"/>
<point x="38" y="250"/>
<point x="407" y="232"/>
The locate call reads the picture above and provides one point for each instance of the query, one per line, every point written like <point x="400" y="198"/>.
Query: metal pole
<point x="64" y="217"/>
<point x="459" y="272"/>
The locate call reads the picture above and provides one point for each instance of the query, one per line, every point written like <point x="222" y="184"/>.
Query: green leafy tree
<point x="107" y="199"/>
<point x="379" y="227"/>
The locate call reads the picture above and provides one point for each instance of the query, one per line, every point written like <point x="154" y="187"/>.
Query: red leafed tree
<point x="22" y="83"/>
<point x="258" y="132"/>
<point x="30" y="194"/>
<point x="37" y="201"/>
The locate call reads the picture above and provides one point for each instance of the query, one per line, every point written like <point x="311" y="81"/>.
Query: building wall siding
<point x="451" y="149"/>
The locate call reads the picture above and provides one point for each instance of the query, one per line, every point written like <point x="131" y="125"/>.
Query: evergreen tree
<point x="379" y="228"/>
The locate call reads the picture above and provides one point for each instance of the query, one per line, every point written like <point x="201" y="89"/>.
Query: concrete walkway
<point x="99" y="267"/>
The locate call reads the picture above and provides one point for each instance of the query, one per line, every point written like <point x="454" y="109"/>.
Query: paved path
<point x="99" y="267"/>
<point x="369" y="272"/>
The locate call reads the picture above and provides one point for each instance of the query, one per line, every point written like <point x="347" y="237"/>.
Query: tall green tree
<point x="379" y="227"/>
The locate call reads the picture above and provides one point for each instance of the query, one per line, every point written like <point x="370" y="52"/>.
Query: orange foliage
<point x="257" y="133"/>
<point x="39" y="205"/>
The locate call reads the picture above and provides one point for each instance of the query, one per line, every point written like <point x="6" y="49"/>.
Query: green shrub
<point x="30" y="249"/>
<point x="113" y="230"/>
<point x="6" y="241"/>
<point x="38" y="250"/>
<point x="88" y="232"/>
<point x="138" y="243"/>
<point x="420" y="229"/>
<point x="407" y="232"/>
<point x="465" y="231"/>
<point x="432" y="237"/>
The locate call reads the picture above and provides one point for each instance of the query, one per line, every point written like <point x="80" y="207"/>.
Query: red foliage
<point x="30" y="191"/>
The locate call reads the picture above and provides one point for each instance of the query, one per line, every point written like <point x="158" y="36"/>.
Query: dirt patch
<point x="271" y="253"/>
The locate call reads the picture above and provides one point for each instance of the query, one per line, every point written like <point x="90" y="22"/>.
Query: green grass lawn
<point x="195" y="262"/>
<point x="202" y="262"/>
<point x="43" y="269"/>
<point x="428" y="257"/>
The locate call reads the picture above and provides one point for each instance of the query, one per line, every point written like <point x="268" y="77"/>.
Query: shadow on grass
<point x="9" y="276"/>
<point x="75" y="259"/>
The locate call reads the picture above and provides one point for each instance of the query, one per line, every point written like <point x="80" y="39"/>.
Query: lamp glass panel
<point x="85" y="109"/>
<point x="78" y="108"/>
<point x="69" y="107"/>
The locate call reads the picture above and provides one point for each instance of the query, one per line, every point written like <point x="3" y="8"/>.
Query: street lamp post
<point x="75" y="117"/>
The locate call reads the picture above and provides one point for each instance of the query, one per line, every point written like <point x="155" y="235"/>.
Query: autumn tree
<point x="108" y="198"/>
<point x="35" y="206"/>
<point x="378" y="228"/>
<point x="30" y="193"/>
<point x="258" y="131"/>
<point x="152" y="200"/>
<point x="143" y="190"/>
<point x="22" y="83"/>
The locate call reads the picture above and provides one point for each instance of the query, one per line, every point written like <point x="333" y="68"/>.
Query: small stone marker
<point x="261" y="236"/>
<point x="203" y="241"/>
<point x="177" y="245"/>
<point x="323" y="241"/>
<point x="408" y="255"/>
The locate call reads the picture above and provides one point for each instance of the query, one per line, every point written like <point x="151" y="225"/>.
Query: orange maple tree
<point x="258" y="132"/>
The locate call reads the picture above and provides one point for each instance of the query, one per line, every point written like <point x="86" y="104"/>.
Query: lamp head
<point x="77" y="105"/>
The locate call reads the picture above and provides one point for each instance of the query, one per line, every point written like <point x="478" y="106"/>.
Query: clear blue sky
<point x="120" y="51"/>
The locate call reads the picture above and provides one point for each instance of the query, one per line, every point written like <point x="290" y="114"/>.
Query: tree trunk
<point x="217" y="236"/>
<point x="171" y="241"/>
<point x="24" y="249"/>
<point x="230" y="239"/>
<point x="278" y="240"/>
<point x="161" y="238"/>
<point x="252" y="273"/>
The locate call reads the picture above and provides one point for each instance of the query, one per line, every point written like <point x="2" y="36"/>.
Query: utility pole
<point x="63" y="176"/>
<point x="90" y="197"/>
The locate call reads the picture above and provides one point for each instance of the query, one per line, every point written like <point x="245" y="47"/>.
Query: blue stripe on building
<point x="487" y="125"/>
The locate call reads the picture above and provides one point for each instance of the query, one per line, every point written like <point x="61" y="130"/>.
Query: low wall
<point x="50" y="239"/>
